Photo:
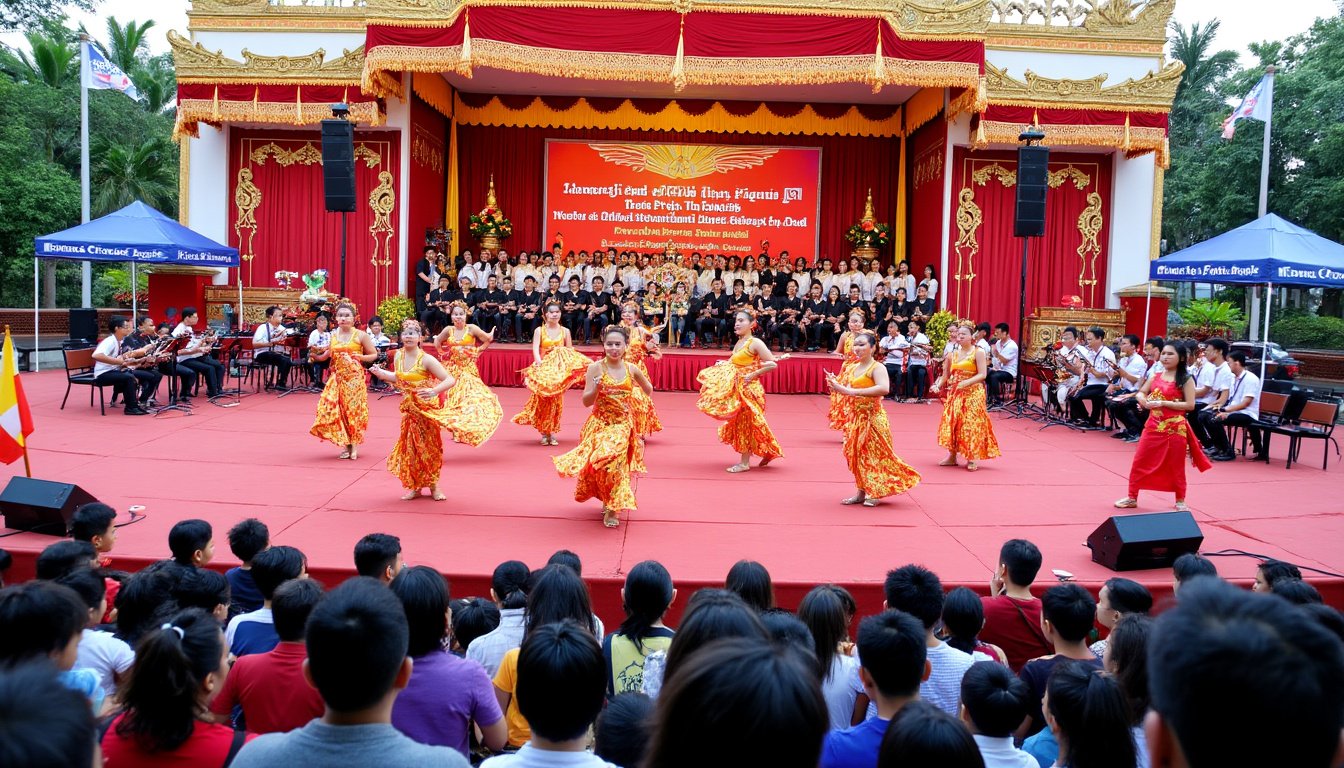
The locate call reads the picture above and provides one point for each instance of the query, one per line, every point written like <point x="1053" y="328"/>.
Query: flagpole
<point x="1264" y="195"/>
<point x="86" y="268"/>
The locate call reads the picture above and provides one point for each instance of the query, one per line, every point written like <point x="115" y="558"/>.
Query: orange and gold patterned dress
<point x="839" y="403"/>
<point x="878" y="471"/>
<point x="474" y="408"/>
<point x="610" y="450"/>
<point x="739" y="404"/>
<point x="343" y="407"/>
<point x="646" y="417"/>
<point x="965" y="427"/>
<point x="417" y="456"/>
<point x="561" y="368"/>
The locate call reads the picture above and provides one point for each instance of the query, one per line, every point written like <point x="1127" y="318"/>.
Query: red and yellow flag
<point x="16" y="420"/>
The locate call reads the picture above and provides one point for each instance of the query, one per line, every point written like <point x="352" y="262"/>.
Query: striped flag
<point x="16" y="420"/>
<point x="101" y="74"/>
<point x="1255" y="106"/>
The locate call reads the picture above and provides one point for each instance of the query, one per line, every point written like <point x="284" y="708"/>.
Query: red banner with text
<point x="705" y="198"/>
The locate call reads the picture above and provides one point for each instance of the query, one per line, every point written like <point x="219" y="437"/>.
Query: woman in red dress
<point x="1159" y="462"/>
<point x="1160" y="459"/>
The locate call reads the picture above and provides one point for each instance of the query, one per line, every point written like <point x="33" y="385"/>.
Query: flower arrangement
<point x="284" y="277"/>
<point x="936" y="329"/>
<point x="867" y="234"/>
<point x="490" y="222"/>
<point x="395" y="310"/>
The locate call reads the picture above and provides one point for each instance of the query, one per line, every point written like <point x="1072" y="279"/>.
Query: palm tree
<point x="124" y="43"/>
<point x="1202" y="70"/>
<point x="53" y="61"/>
<point x="157" y="86"/>
<point x="124" y="173"/>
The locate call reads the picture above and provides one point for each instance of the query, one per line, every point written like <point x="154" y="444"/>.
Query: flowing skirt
<point x="607" y="455"/>
<point x="839" y="411"/>
<point x="558" y="371"/>
<point x="417" y="456"/>
<point x="473" y="409"/>
<point x="641" y="407"/>
<point x="965" y="427"/>
<point x="1159" y="457"/>
<point x="343" y="407"/>
<point x="741" y="408"/>
<point x="878" y="471"/>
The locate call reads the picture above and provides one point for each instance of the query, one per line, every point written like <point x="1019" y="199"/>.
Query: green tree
<point x="123" y="173"/>
<point x="52" y="61"/>
<point x="30" y="14"/>
<point x="125" y="43"/>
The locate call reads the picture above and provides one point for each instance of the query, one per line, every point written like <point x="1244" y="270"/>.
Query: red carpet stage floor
<point x="1053" y="487"/>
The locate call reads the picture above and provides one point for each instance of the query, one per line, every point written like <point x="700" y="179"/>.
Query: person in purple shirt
<point x="893" y="661"/>
<point x="446" y="693"/>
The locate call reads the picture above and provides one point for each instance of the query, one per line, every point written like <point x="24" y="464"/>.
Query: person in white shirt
<point x="930" y="281"/>
<point x="1212" y="384"/>
<point x="108" y="359"/>
<point x="918" y="364"/>
<point x="903" y="279"/>
<point x="525" y="270"/>
<point x="268" y="346"/>
<point x="868" y="284"/>
<point x="1002" y="362"/>
<point x="842" y="278"/>
<point x="1241" y="410"/>
<point x="195" y="356"/>
<point x="1097" y="363"/>
<point x="1131" y="372"/>
<point x="1067" y="357"/>
<point x="319" y="341"/>
<point x="481" y="272"/>
<point x="107" y="655"/>
<point x="994" y="702"/>
<point x="894" y="346"/>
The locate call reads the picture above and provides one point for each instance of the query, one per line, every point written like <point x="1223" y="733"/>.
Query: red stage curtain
<point x="1026" y="115"/>
<point x="765" y="35"/>
<point x="598" y="30"/>
<point x="516" y="157"/>
<point x="924" y="175"/>
<point x="283" y="94"/>
<point x="292" y="229"/>
<point x="429" y="168"/>
<point x="988" y="258"/>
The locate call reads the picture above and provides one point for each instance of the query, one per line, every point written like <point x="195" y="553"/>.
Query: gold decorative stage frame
<point x="1047" y="323"/>
<point x="255" y="301"/>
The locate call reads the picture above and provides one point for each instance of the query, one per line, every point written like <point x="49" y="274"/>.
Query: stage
<point x="506" y="502"/>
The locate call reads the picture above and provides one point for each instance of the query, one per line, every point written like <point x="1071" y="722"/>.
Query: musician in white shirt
<point x="1097" y="363"/>
<point x="1067" y="357"/>
<point x="268" y="346"/>
<point x="1211" y="388"/>
<point x="1241" y="410"/>
<point x="1002" y="362"/>
<point x="319" y="341"/>
<point x="894" y="345"/>
<point x="870" y="280"/>
<point x="1131" y="371"/>
<point x="108" y="361"/>
<point x="481" y="271"/>
<point x="195" y="355"/>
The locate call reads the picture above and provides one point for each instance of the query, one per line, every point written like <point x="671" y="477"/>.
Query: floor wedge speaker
<point x="1134" y="542"/>
<point x="41" y="506"/>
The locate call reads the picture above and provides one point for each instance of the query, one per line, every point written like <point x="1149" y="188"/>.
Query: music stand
<point x="230" y="349"/>
<point x="303" y="362"/>
<point x="174" y="383"/>
<point x="391" y="391"/>
<point x="1021" y="406"/>
<point x="1049" y="416"/>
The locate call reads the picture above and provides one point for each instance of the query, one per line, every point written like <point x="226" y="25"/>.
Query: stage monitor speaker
<point x="1154" y="540"/>
<point x="41" y="506"/>
<point x="338" y="165"/>
<point x="84" y="324"/>
<point x="1029" y="211"/>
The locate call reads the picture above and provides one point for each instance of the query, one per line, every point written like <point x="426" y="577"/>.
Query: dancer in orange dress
<point x="1159" y="460"/>
<point x="855" y="321"/>
<point x="610" y="449"/>
<point x="878" y="471"/>
<point x="730" y="392"/>
<point x="643" y="343"/>
<point x="417" y="456"/>
<point x="475" y="409"/>
<point x="556" y="366"/>
<point x="965" y="427"/>
<point x="343" y="407"/>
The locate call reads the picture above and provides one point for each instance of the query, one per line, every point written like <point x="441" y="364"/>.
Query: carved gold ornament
<point x="246" y="197"/>
<point x="1114" y="19"/>
<point x="304" y="155"/>
<point x="984" y="173"/>
<point x="683" y="161"/>
<point x="427" y="150"/>
<point x="382" y="200"/>
<point x="929" y="165"/>
<point x="1089" y="227"/>
<point x="1154" y="92"/>
<point x="195" y="63"/>
<point x="969" y="219"/>
<point x="1057" y="178"/>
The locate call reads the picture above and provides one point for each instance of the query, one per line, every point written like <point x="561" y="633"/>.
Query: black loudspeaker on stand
<point x="1154" y="540"/>
<point x="1028" y="222"/>
<point x="41" y="506"/>
<point x="338" y="170"/>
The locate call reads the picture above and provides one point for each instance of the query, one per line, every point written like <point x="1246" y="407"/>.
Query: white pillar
<point x="1130" y="225"/>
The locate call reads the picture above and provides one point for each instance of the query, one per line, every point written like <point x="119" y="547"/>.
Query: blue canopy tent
<point x="1267" y="251"/>
<point x="137" y="234"/>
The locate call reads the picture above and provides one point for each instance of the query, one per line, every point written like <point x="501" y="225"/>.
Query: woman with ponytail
<point x="556" y="366"/>
<point x="164" y="720"/>
<point x="647" y="594"/>
<point x="855" y="319"/>
<point x="965" y="427"/>
<point x="730" y="392"/>
<point x="1089" y="715"/>
<point x="474" y="408"/>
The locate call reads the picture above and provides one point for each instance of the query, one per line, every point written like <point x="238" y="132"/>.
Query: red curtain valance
<point x="1025" y="115"/>
<point x="784" y="109"/>
<point x="287" y="104"/>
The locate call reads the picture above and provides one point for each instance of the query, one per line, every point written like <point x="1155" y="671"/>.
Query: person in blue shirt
<point x="246" y="539"/>
<point x="893" y="660"/>
<point x="254" y="632"/>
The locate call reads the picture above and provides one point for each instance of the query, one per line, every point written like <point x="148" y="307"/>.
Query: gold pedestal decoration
<point x="865" y="254"/>
<point x="867" y="236"/>
<point x="490" y="243"/>
<point x="490" y="226"/>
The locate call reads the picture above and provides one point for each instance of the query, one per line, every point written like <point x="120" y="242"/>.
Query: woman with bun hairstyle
<point x="556" y="367"/>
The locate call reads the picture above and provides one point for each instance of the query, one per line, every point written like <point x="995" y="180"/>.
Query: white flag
<point x="1255" y="105"/>
<point x="101" y="74"/>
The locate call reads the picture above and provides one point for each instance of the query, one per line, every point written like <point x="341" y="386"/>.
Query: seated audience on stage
<point x="246" y="539"/>
<point x="486" y="313"/>
<point x="254" y="632"/>
<point x="195" y="355"/>
<point x="623" y="730"/>
<point x="1241" y="409"/>
<point x="918" y="592"/>
<point x="993" y="704"/>
<point x="1012" y="613"/>
<point x="1117" y="598"/>
<point x="963" y="618"/>
<point x="1217" y="646"/>
<point x="378" y="556"/>
<point x="192" y="543"/>
<point x="44" y="724"/>
<point x="600" y="308"/>
<point x="766" y="306"/>
<point x="270" y="687"/>
<point x="1267" y="574"/>
<point x="1095" y="363"/>
<point x="813" y="324"/>
<point x="446" y="694"/>
<point x="357" y="638"/>
<point x="924" y="306"/>
<point x="472" y="618"/>
<point x="574" y="309"/>
<point x="528" y="301"/>
<point x="109" y="361"/>
<point x="269" y="349"/>
<point x="893" y="665"/>
<point x="1002" y="359"/>
<point x="1188" y="566"/>
<point x="1067" y="613"/>
<point x="435" y="314"/>
<point x="790" y="310"/>
<point x="1213" y="383"/>
<point x="751" y="581"/>
<point x="106" y="655"/>
<point x="319" y="341"/>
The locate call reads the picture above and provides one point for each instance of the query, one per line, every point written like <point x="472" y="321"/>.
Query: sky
<point x="1243" y="21"/>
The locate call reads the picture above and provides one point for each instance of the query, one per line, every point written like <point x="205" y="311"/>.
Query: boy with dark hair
<point x="254" y="632"/>
<point x="205" y="589"/>
<point x="246" y="539"/>
<point x="356" y="640"/>
<point x="378" y="556"/>
<point x="43" y="621"/>
<point x="43" y="724"/>
<point x="94" y="523"/>
<point x="1188" y="566"/>
<point x="1067" y="614"/>
<point x="1012" y="614"/>
<point x="270" y="687"/>
<point x="472" y="618"/>
<point x="192" y="542"/>
<point x="62" y="557"/>
<point x="1220" y="645"/>
<point x="107" y="656"/>
<point x="993" y="705"/>
<point x="917" y="591"/>
<point x="893" y="663"/>
<point x="562" y="685"/>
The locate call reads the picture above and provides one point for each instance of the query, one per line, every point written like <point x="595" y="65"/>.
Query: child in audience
<point x="62" y="557"/>
<point x="963" y="618"/>
<point x="1067" y="612"/>
<point x="993" y="705"/>
<point x="893" y="663"/>
<point x="205" y="589"/>
<point x="378" y="555"/>
<point x="623" y="730"/>
<point x="1087" y="712"/>
<point x="569" y="558"/>
<point x="43" y="621"/>
<point x="711" y="614"/>
<point x="1270" y="571"/>
<point x="43" y="724"/>
<point x="101" y="652"/>
<point x="918" y="592"/>
<point x="924" y="735"/>
<point x="1188" y="566"/>
<point x="1126" y="660"/>
<point x="146" y="600"/>
<point x="508" y="588"/>
<point x="95" y="523"/>
<point x="823" y="613"/>
<point x="192" y="542"/>
<point x="1118" y="598"/>
<point x="1012" y="613"/>
<point x="246" y="539"/>
<point x="751" y="581"/>
<point x="254" y="632"/>
<point x="357" y="639"/>
<point x="472" y="618"/>
<point x="647" y="594"/>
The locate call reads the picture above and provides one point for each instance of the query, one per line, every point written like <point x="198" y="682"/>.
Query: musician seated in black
<point x="109" y="368"/>
<point x="529" y="309"/>
<point x="553" y="293"/>
<point x="268" y="346"/>
<point x="790" y="307"/>
<point x="488" y="300"/>
<point x="574" y="307"/>
<point x="813" y="316"/>
<point x="466" y="293"/>
<point x="879" y="309"/>
<point x="434" y="316"/>
<point x="924" y="306"/>
<point x="851" y="302"/>
<point x="835" y="315"/>
<point x="738" y="299"/>
<point x="508" y="310"/>
<point x="1097" y="363"/>
<point x="766" y="306"/>
<point x="148" y="372"/>
<point x="711" y="320"/>
<point x="185" y="376"/>
<point x="196" y="354"/>
<point x="599" y="309"/>
<point x="618" y="298"/>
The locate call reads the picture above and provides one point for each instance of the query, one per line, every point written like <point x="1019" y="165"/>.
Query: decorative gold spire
<point x="490" y="200"/>
<point x="868" y="208"/>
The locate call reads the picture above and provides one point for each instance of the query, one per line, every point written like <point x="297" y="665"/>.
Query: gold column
<point x="898" y="233"/>
<point x="184" y="180"/>
<point x="1159" y="178"/>
<point x="450" y="216"/>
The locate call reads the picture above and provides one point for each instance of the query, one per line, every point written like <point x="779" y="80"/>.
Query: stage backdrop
<point x="698" y="197"/>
